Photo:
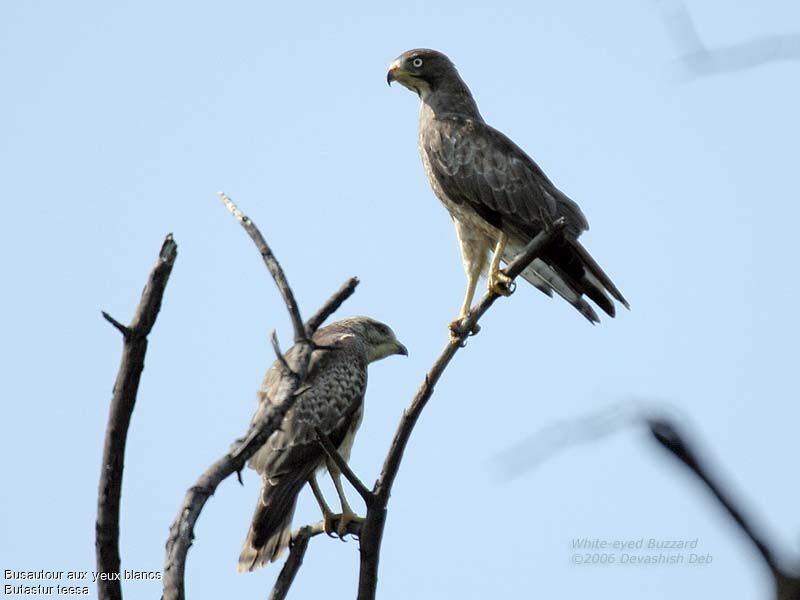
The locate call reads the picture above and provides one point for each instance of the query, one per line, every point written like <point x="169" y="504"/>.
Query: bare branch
<point x="373" y="526"/>
<point x="342" y="465"/>
<point x="123" y="329"/>
<point x="273" y="266"/>
<point x="123" y="401"/>
<point x="182" y="530"/>
<point x="331" y="306"/>
<point x="297" y="551"/>
<point x="276" y="347"/>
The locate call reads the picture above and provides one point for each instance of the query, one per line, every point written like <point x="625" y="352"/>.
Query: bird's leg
<point x="348" y="515"/>
<point x="473" y="275"/>
<point x="499" y="282"/>
<point x="328" y="516"/>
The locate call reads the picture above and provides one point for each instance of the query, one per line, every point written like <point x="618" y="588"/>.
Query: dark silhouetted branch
<point x="669" y="436"/>
<point x="123" y="401"/>
<point x="331" y="306"/>
<point x="297" y="552"/>
<point x="373" y="527"/>
<point x="182" y="531"/>
<point x="664" y="429"/>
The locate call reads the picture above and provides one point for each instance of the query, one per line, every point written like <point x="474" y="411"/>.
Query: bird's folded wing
<point x="478" y="165"/>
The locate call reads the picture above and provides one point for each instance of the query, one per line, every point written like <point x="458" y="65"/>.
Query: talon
<point x="347" y="517"/>
<point x="454" y="329"/>
<point x="457" y="333"/>
<point x="501" y="284"/>
<point x="329" y="519"/>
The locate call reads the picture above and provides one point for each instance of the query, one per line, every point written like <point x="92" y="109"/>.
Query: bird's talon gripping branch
<point x="501" y="284"/>
<point x="454" y="329"/>
<point x="347" y="517"/>
<point x="329" y="520"/>
<point x="457" y="332"/>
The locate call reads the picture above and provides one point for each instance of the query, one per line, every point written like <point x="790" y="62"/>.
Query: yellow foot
<point x="329" y="522"/>
<point x="500" y="283"/>
<point x="338" y="522"/>
<point x="347" y="517"/>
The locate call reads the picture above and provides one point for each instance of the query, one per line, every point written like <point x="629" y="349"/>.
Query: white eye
<point x="417" y="62"/>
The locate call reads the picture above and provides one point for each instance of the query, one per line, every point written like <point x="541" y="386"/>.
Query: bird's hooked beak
<point x="392" y="74"/>
<point x="401" y="349"/>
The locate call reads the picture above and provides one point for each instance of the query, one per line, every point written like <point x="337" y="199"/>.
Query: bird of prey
<point x="331" y="399"/>
<point x="496" y="194"/>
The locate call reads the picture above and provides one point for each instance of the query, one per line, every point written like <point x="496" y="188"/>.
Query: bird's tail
<point x="271" y="529"/>
<point x="595" y="283"/>
<point x="539" y="271"/>
<point x="571" y="271"/>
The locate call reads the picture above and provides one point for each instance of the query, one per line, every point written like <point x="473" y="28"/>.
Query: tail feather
<point x="271" y="529"/>
<point x="543" y="272"/>
<point x="598" y="273"/>
<point x="567" y="268"/>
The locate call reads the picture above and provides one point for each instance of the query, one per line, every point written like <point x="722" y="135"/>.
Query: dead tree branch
<point x="331" y="306"/>
<point x="182" y="531"/>
<point x="297" y="552"/>
<point x="123" y="401"/>
<point x="373" y="527"/>
<point x="273" y="266"/>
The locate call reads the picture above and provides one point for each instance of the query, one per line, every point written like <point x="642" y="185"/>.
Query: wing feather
<point x="478" y="165"/>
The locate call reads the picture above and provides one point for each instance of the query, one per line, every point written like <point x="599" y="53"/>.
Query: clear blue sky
<point x="120" y="121"/>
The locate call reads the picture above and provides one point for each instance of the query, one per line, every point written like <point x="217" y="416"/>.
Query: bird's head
<point x="378" y="337"/>
<point x="422" y="71"/>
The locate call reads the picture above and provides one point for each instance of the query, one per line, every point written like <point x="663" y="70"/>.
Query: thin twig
<point x="273" y="266"/>
<point x="123" y="401"/>
<point x="181" y="532"/>
<point x="123" y="329"/>
<point x="331" y="306"/>
<point x="297" y="551"/>
<point x="276" y="347"/>
<point x="373" y="526"/>
<point x="342" y="465"/>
